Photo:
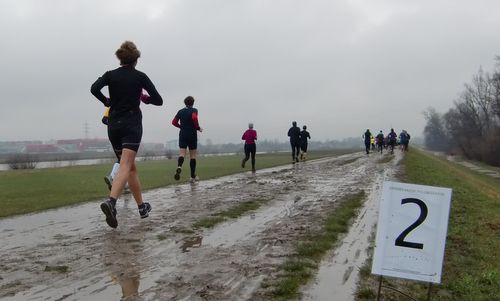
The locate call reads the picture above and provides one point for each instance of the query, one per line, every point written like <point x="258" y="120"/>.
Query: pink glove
<point x="144" y="98"/>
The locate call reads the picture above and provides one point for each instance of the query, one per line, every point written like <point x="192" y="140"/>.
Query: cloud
<point x="337" y="66"/>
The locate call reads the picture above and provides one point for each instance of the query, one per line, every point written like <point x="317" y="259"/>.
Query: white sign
<point x="411" y="231"/>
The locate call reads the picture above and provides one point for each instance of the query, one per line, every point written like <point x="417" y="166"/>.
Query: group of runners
<point x="389" y="141"/>
<point x="128" y="88"/>
<point x="298" y="142"/>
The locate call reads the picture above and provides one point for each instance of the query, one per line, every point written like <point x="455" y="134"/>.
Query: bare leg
<point x="126" y="172"/>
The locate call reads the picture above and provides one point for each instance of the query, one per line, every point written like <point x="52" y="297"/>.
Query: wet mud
<point x="71" y="254"/>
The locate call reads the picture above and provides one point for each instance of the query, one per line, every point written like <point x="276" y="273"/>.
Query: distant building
<point x="85" y="145"/>
<point x="13" y="147"/>
<point x="42" y="149"/>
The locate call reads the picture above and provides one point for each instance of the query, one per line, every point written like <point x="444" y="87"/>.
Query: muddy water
<point x="71" y="254"/>
<point x="338" y="273"/>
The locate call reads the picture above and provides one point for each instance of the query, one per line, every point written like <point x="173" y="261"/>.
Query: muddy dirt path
<point x="71" y="254"/>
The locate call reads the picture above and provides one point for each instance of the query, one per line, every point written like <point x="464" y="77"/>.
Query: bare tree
<point x="22" y="161"/>
<point x="436" y="137"/>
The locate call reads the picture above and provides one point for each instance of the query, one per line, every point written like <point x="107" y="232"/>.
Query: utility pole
<point x="86" y="129"/>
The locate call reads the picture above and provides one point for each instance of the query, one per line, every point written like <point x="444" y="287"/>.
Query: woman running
<point x="126" y="85"/>
<point x="249" y="136"/>
<point x="188" y="138"/>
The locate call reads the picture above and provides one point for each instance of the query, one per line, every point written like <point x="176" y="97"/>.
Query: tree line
<point x="472" y="126"/>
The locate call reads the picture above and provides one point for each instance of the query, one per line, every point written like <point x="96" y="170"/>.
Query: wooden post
<point x="379" y="287"/>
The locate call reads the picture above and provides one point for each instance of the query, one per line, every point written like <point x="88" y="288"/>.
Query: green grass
<point x="471" y="268"/>
<point x="25" y="191"/>
<point x="233" y="212"/>
<point x="298" y="269"/>
<point x="56" y="269"/>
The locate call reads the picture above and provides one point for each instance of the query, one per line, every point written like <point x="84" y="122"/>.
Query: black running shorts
<point x="188" y="139"/>
<point x="125" y="132"/>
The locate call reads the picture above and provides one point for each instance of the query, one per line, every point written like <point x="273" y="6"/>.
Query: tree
<point x="435" y="134"/>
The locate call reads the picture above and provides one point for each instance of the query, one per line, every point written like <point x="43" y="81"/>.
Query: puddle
<point x="338" y="274"/>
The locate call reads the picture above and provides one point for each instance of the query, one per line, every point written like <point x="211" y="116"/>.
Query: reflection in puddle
<point x="122" y="257"/>
<point x="190" y="242"/>
<point x="129" y="285"/>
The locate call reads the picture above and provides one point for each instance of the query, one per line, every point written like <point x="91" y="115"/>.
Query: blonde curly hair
<point x="127" y="53"/>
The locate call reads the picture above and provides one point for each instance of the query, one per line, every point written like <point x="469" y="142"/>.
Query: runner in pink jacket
<point x="249" y="136"/>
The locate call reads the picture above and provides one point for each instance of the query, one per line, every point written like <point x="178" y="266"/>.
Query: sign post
<point x="411" y="231"/>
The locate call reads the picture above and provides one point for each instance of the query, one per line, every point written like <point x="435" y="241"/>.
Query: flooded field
<point x="71" y="254"/>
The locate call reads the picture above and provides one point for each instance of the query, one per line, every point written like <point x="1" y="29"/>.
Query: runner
<point x="125" y="86"/>
<point x="109" y="178"/>
<point x="367" y="136"/>
<point x="404" y="139"/>
<point x="249" y="136"/>
<point x="304" y="135"/>
<point x="188" y="137"/>
<point x="294" y="134"/>
<point x="380" y="141"/>
<point x="392" y="137"/>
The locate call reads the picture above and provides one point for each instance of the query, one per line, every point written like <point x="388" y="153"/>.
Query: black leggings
<point x="250" y="149"/>
<point x="295" y="150"/>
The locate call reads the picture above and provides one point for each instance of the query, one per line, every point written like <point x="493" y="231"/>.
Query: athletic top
<point x="380" y="138"/>
<point x="125" y="86"/>
<point x="294" y="134"/>
<point x="367" y="136"/>
<point x="392" y="136"/>
<point x="303" y="136"/>
<point x="188" y="118"/>
<point x="249" y="136"/>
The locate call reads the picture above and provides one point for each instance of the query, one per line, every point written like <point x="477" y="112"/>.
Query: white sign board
<point x="411" y="231"/>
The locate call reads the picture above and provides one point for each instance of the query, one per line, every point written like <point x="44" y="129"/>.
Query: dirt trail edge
<point x="71" y="254"/>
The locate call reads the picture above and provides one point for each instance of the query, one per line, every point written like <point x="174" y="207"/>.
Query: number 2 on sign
<point x="400" y="240"/>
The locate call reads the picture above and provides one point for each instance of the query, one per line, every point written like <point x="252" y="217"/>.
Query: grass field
<point x="25" y="191"/>
<point x="471" y="268"/>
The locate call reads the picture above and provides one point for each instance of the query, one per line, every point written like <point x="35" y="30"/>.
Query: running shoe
<point x="177" y="175"/>
<point x="144" y="211"/>
<point x="110" y="212"/>
<point x="109" y="181"/>
<point x="193" y="180"/>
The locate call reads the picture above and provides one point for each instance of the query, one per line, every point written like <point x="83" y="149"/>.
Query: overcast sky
<point x="337" y="66"/>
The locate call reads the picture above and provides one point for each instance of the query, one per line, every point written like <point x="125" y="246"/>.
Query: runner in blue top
<point x="187" y="120"/>
<point x="392" y="140"/>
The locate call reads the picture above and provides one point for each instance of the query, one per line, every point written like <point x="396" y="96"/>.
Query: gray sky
<point x="337" y="66"/>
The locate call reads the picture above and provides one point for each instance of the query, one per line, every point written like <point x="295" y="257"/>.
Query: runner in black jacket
<point x="294" y="134"/>
<point x="304" y="135"/>
<point x="126" y="85"/>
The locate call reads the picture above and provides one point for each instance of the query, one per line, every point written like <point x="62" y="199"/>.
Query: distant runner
<point x="392" y="137"/>
<point x="304" y="135"/>
<point x="367" y="136"/>
<point x="380" y="141"/>
<point x="125" y="86"/>
<point x="404" y="140"/>
<point x="188" y="137"/>
<point x="250" y="135"/>
<point x="294" y="134"/>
